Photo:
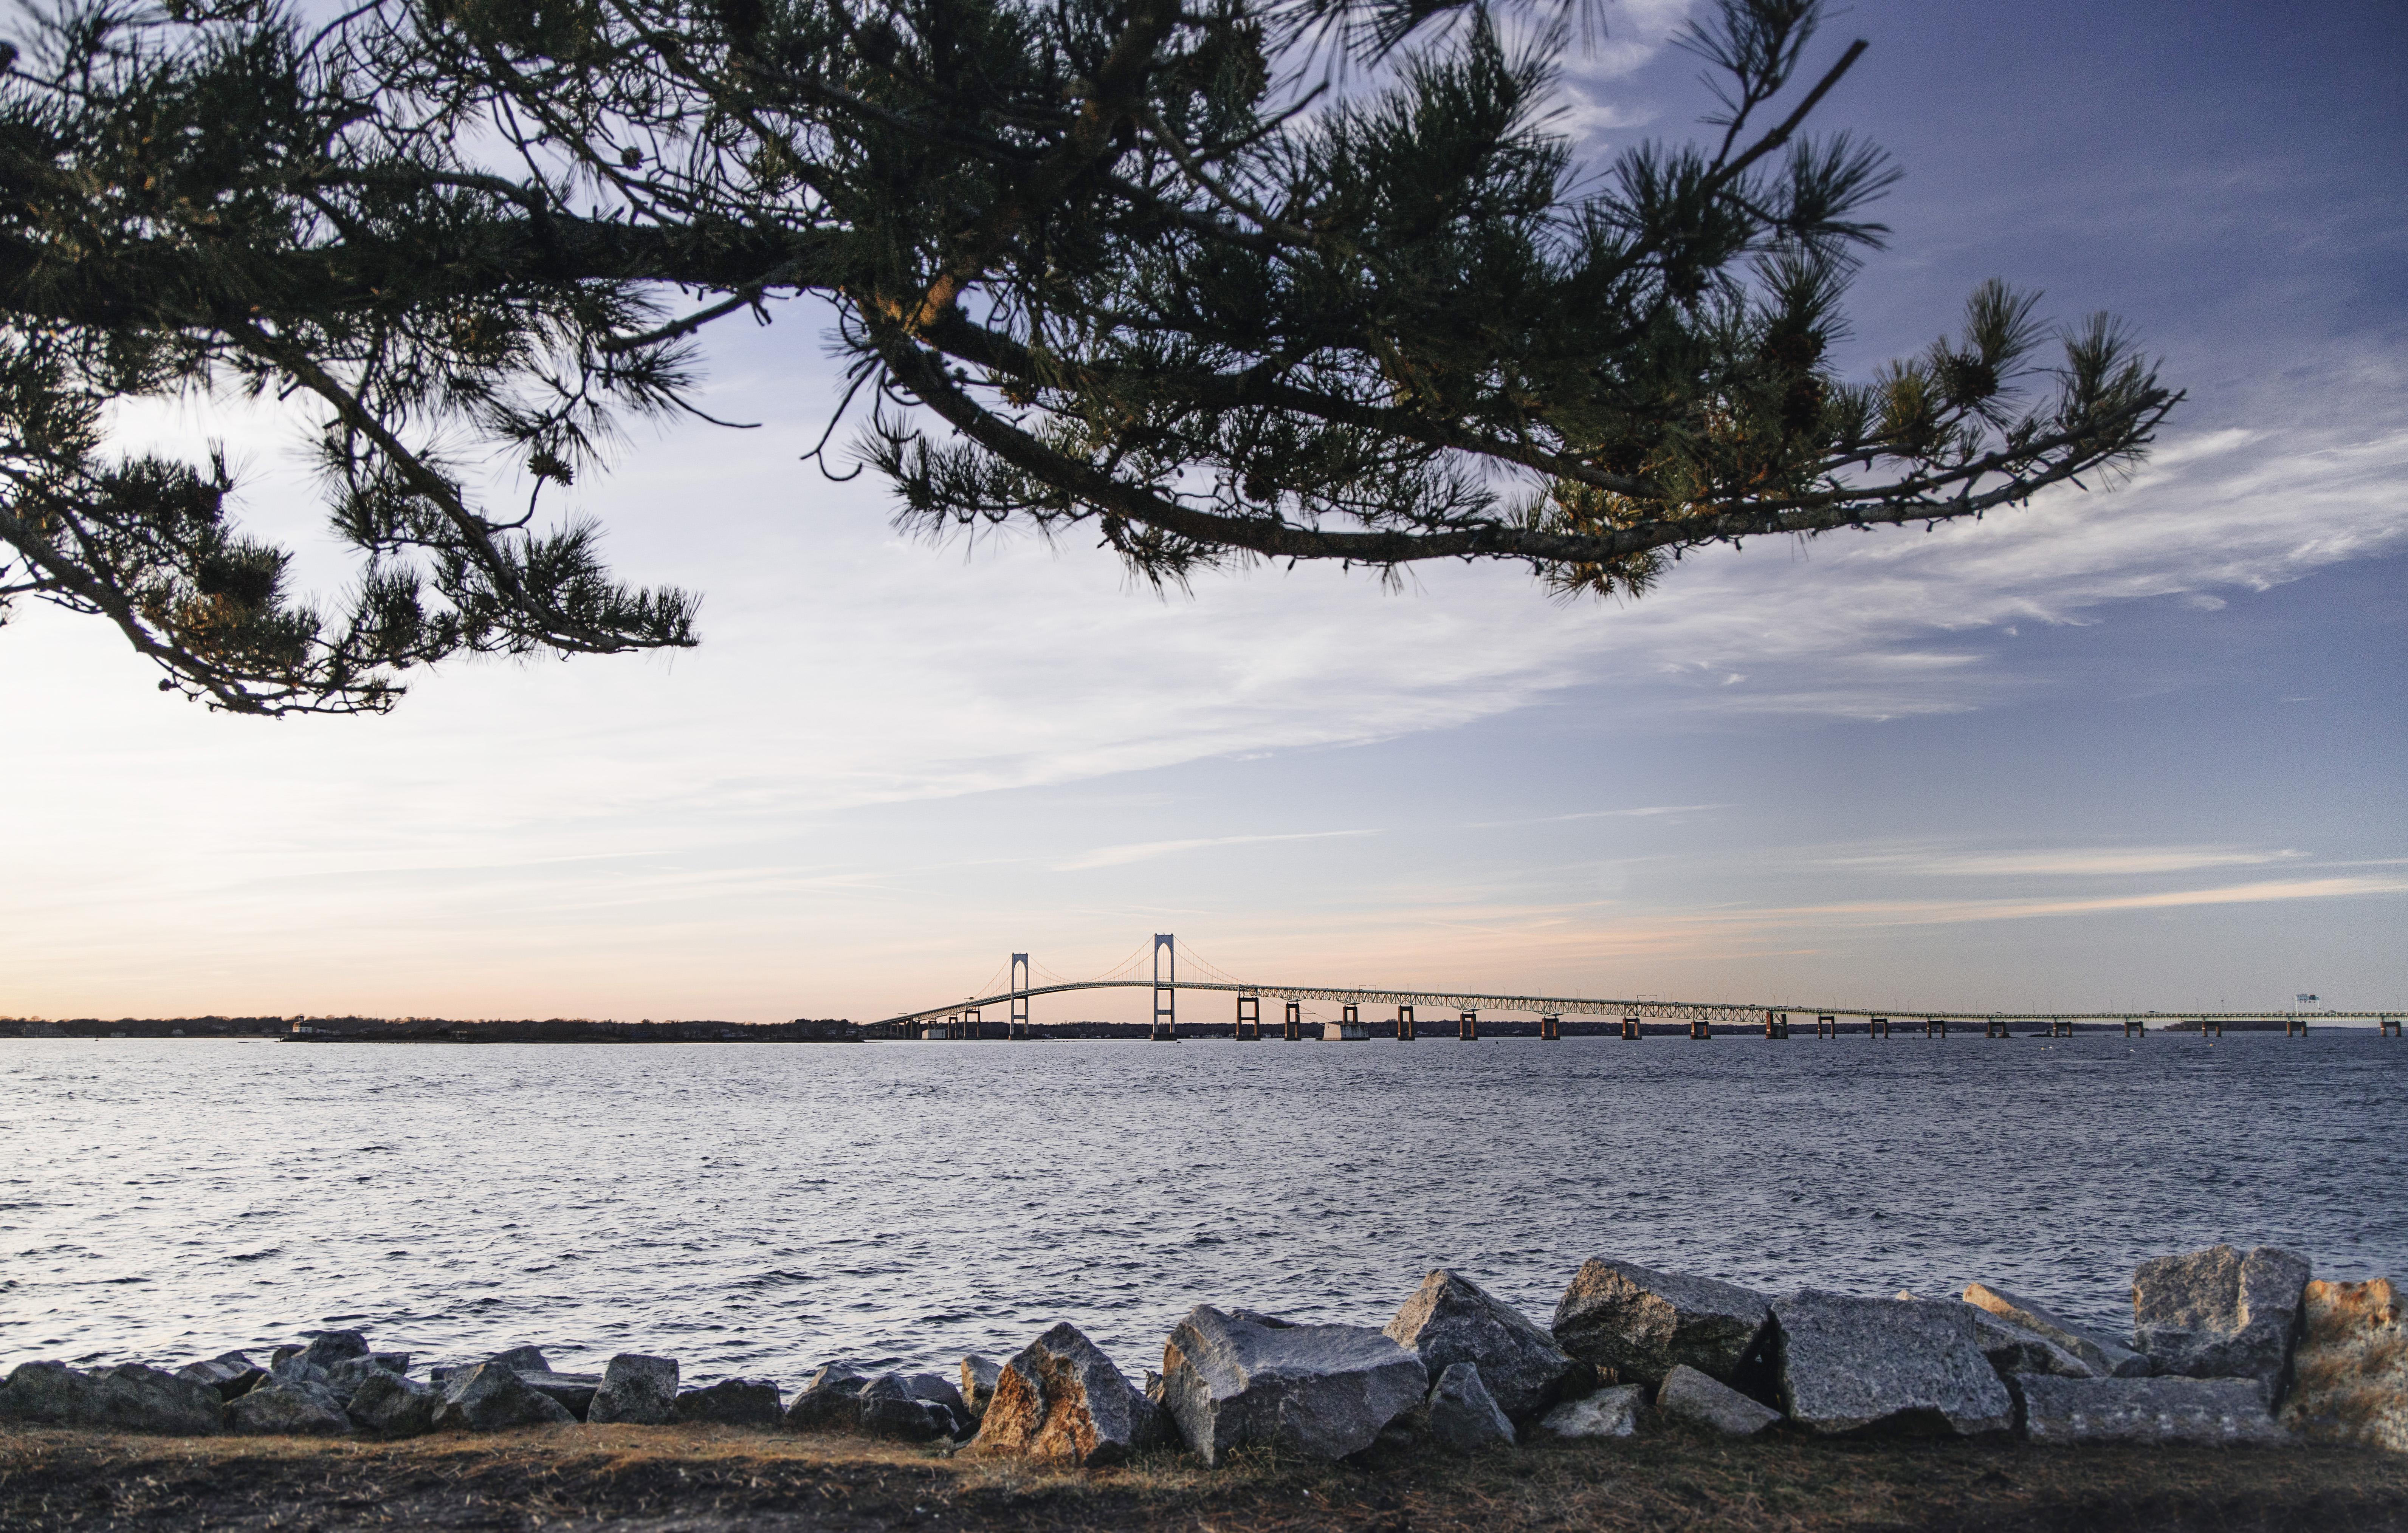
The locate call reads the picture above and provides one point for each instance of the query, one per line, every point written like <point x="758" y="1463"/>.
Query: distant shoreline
<point x="840" y="1030"/>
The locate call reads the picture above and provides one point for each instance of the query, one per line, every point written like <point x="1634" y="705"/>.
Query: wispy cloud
<point x="1939" y="912"/>
<point x="1648" y="812"/>
<point x="1116" y="857"/>
<point x="2076" y="861"/>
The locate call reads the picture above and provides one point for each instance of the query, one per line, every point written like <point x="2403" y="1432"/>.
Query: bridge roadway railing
<point x="1578" y="1006"/>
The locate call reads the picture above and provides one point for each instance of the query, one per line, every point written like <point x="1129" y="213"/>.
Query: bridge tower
<point x="1166" y="989"/>
<point x="1249" y="1019"/>
<point x="1018" y="1027"/>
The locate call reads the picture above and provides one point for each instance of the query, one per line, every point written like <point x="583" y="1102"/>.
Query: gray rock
<point x="2218" y="1314"/>
<point x="129" y="1398"/>
<point x="316" y="1361"/>
<point x="893" y="1406"/>
<point x="937" y="1387"/>
<point x="388" y="1404"/>
<point x="1883" y="1366"/>
<point x="1464" y="1418"/>
<point x="980" y="1375"/>
<point x="574" y="1391"/>
<point x="731" y="1402"/>
<point x="2166" y="1410"/>
<point x="520" y="1360"/>
<point x="327" y="1348"/>
<point x="2012" y="1349"/>
<point x="1609" y="1413"/>
<point x="350" y="1374"/>
<point x="51" y="1392"/>
<point x="1318" y="1391"/>
<point x="829" y="1398"/>
<point x="136" y="1397"/>
<point x="489" y="1398"/>
<point x="1451" y="1320"/>
<point x="1689" y="1396"/>
<point x="2104" y="1357"/>
<point x="288" y="1408"/>
<point x="1062" y="1401"/>
<point x="1641" y="1323"/>
<point x="636" y="1389"/>
<point x="230" y="1373"/>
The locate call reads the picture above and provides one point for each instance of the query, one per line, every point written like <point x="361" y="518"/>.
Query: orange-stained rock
<point x="1061" y="1400"/>
<point x="2350" y="1379"/>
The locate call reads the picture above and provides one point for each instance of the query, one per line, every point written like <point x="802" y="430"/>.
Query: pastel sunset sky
<point x="2145" y="746"/>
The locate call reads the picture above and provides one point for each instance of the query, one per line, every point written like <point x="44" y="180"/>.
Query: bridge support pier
<point x="2208" y="1024"/>
<point x="1631" y="1033"/>
<point x="2386" y="1028"/>
<point x="1996" y="1027"/>
<point x="1405" y="1032"/>
<point x="2291" y="1023"/>
<point x="1166" y="989"/>
<point x="2061" y="1027"/>
<point x="1776" y="1024"/>
<point x="1935" y="1027"/>
<point x="1466" y="1028"/>
<point x="1249" y="1019"/>
<point x="1292" y="1027"/>
<point x="1701" y="1029"/>
<point x="1551" y="1029"/>
<point x="2135" y="1027"/>
<point x="1826" y="1025"/>
<point x="1877" y="1027"/>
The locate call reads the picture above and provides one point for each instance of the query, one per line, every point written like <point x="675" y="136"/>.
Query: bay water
<point x="761" y="1209"/>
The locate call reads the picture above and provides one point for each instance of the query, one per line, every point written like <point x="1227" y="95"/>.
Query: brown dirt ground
<point x="699" y="1479"/>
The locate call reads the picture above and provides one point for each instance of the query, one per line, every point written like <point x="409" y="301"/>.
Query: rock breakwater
<point x="2227" y="1347"/>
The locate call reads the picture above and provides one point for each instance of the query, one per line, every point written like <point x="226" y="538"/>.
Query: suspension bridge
<point x="1307" y="1010"/>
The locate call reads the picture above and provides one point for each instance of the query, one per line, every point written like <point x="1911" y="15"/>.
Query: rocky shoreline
<point x="2227" y="1347"/>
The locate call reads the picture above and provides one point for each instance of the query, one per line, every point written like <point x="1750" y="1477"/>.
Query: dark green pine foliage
<point x="1208" y="281"/>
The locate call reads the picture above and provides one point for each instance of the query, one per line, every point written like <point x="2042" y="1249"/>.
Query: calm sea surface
<point x="761" y="1209"/>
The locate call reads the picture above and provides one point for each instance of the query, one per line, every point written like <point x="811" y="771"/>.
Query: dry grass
<point x="716" y="1480"/>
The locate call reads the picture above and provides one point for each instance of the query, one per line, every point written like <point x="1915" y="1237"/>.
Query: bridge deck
<point x="1583" y="1006"/>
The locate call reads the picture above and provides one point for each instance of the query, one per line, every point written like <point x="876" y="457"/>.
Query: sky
<point x="2143" y="746"/>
